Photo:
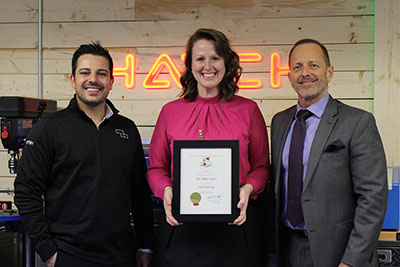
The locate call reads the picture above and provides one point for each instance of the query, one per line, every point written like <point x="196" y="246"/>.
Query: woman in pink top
<point x="210" y="110"/>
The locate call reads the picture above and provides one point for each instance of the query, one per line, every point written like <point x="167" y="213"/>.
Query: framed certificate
<point x="206" y="180"/>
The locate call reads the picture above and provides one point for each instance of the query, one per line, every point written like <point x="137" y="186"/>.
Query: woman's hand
<point x="244" y="195"/>
<point x="168" y="207"/>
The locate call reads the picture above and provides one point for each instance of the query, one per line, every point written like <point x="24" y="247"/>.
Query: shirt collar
<point x="108" y="115"/>
<point x="109" y="112"/>
<point x="318" y="107"/>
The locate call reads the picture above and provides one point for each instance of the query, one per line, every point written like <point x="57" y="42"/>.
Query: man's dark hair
<point x="312" y="41"/>
<point x="93" y="48"/>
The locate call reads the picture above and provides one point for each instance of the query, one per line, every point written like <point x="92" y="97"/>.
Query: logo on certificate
<point x="206" y="162"/>
<point x="195" y="198"/>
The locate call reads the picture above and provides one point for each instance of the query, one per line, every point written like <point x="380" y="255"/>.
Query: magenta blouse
<point x="236" y="119"/>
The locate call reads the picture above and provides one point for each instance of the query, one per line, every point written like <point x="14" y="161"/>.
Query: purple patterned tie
<point x="294" y="211"/>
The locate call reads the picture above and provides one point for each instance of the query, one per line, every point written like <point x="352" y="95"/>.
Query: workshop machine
<point x="18" y="115"/>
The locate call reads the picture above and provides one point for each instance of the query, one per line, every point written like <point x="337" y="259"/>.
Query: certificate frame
<point x="205" y="180"/>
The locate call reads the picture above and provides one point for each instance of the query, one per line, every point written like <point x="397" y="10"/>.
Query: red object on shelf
<point x="4" y="132"/>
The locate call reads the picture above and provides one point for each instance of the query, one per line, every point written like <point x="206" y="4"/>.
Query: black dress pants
<point x="66" y="260"/>
<point x="211" y="244"/>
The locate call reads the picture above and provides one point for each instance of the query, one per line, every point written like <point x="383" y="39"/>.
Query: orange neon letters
<point x="249" y="84"/>
<point x="249" y="58"/>
<point x="277" y="71"/>
<point x="128" y="71"/>
<point x="151" y="80"/>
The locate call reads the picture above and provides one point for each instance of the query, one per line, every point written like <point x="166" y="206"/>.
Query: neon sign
<point x="152" y="80"/>
<point x="249" y="58"/>
<point x="128" y="71"/>
<point x="277" y="71"/>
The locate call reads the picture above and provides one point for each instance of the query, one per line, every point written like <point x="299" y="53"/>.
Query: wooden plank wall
<point x="387" y="76"/>
<point x="149" y="28"/>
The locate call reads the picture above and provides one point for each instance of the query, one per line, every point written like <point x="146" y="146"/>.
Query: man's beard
<point x="315" y="92"/>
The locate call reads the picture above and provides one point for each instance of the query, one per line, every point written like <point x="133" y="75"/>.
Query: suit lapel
<point x="280" y="137"/>
<point x="325" y="128"/>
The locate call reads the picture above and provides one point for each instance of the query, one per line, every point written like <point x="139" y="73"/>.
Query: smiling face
<point x="208" y="67"/>
<point x="309" y="73"/>
<point x="92" y="81"/>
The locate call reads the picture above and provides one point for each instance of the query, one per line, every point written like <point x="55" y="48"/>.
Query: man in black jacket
<point x="82" y="177"/>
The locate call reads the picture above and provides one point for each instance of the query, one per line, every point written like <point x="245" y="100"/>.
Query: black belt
<point x="299" y="233"/>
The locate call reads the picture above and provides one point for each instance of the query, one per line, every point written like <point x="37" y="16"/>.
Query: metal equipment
<point x="19" y="114"/>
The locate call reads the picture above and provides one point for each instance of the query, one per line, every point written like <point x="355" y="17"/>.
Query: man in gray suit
<point x="331" y="184"/>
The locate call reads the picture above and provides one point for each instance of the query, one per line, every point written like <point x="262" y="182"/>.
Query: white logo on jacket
<point x="122" y="133"/>
<point x="29" y="143"/>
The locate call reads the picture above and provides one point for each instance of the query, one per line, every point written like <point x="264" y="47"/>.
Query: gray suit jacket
<point x="345" y="189"/>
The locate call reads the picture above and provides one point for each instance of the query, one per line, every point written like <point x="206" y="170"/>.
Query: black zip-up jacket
<point x="77" y="184"/>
